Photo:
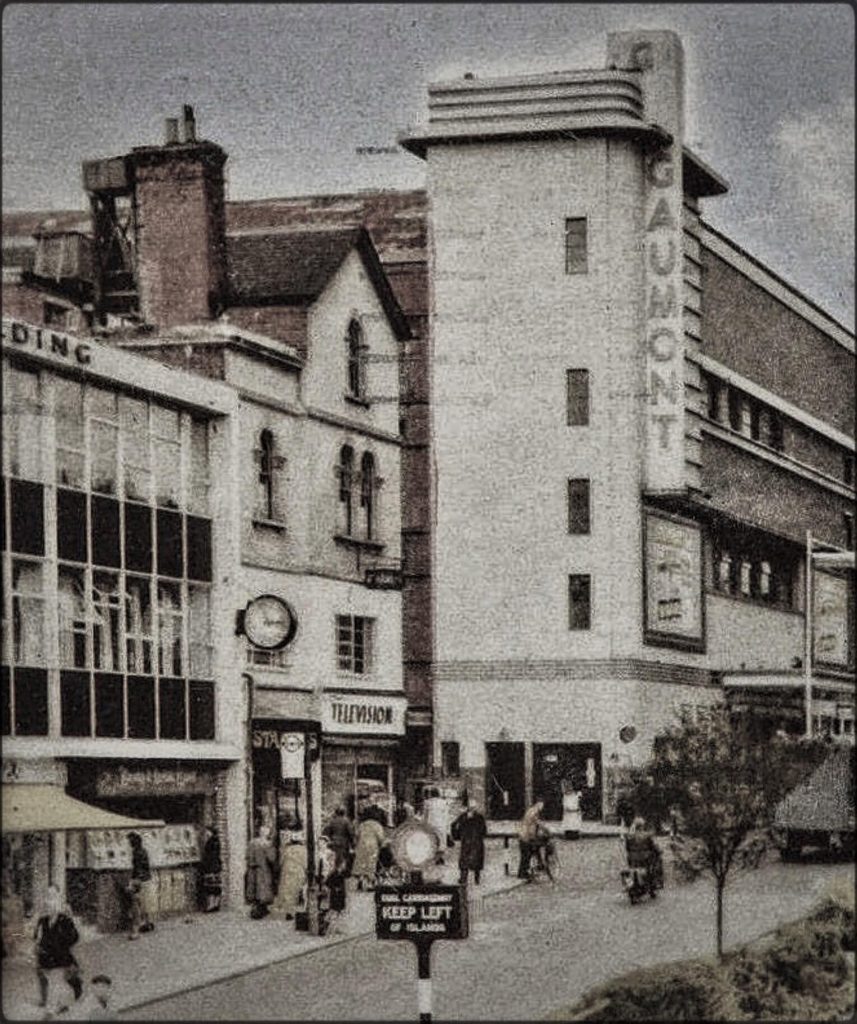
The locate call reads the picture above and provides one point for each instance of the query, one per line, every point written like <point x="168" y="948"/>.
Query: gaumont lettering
<point x="662" y="301"/>
<point x="659" y="169"/>
<point x="660" y="263"/>
<point x="39" y="340"/>
<point x="662" y="216"/>
<point x="662" y="343"/>
<point x="361" y="714"/>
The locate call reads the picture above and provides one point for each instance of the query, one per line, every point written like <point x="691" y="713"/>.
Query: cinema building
<point x="201" y="549"/>
<point x="595" y="442"/>
<point x="634" y="424"/>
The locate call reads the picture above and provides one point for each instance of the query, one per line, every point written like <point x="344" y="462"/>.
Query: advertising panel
<point x="673" y="580"/>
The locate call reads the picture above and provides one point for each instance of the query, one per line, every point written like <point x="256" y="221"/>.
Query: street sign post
<point x="421" y="914"/>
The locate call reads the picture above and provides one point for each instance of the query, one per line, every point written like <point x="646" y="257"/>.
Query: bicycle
<point x="545" y="859"/>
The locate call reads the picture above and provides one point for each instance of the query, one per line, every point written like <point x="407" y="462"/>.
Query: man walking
<point x="470" y="828"/>
<point x="527" y="834"/>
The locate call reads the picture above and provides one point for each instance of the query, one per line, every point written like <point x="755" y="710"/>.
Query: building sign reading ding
<point x="361" y="713"/>
<point x="43" y="340"/>
<point x="673" y="575"/>
<point x="421" y="913"/>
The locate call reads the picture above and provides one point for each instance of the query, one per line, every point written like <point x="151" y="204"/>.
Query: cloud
<point x="815" y="153"/>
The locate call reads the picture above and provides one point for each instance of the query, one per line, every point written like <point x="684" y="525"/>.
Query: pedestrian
<point x="370" y="838"/>
<point x="436" y="816"/>
<point x="141" y="888"/>
<point x="470" y="829"/>
<point x="293" y="870"/>
<point x="333" y="882"/>
<point x="259" y="880"/>
<point x="527" y="837"/>
<point x="211" y="870"/>
<point x="340" y="835"/>
<point x="55" y="935"/>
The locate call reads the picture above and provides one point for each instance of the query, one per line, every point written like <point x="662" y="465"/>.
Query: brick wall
<point x="747" y="329"/>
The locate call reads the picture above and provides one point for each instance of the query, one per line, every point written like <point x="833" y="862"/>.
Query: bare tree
<point x="717" y="778"/>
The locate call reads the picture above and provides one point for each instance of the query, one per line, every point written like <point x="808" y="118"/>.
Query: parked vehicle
<point x="819" y="813"/>
<point x="640" y="882"/>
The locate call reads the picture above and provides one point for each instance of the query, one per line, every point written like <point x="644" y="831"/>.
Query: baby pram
<point x="387" y="871"/>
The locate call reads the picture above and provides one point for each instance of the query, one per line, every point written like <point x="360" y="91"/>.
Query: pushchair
<point x="387" y="871"/>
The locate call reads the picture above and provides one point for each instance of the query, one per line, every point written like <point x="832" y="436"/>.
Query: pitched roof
<point x="294" y="267"/>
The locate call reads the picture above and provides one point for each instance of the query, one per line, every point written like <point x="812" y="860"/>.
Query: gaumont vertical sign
<point x="657" y="55"/>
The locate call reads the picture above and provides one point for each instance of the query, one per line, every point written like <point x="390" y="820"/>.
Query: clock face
<point x="269" y="622"/>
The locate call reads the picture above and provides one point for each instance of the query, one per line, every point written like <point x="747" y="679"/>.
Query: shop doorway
<point x="504" y="780"/>
<point x="562" y="767"/>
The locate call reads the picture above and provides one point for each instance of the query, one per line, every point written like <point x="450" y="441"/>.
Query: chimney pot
<point x="172" y="131"/>
<point x="189" y="124"/>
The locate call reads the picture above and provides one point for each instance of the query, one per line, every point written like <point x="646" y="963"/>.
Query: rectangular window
<point x="578" y="505"/>
<point x="75" y="704"/>
<point x="848" y="524"/>
<point x="199" y="632"/>
<point x="141" y="708"/>
<point x="450" y="757"/>
<point x="31" y="701"/>
<point x="169" y="530"/>
<point x="197" y="500"/>
<point x="171" y="709"/>
<point x="70" y="444"/>
<point x="134" y="418"/>
<point x="72" y="616"/>
<point x="354" y="643"/>
<point x="167" y="455"/>
<point x="106" y="622"/>
<point x="22" y="422"/>
<point x="28" y="613"/>
<point x="109" y="705"/>
<point x="848" y="469"/>
<point x="138" y="625"/>
<point x="27" y="513"/>
<point x="71" y="525"/>
<point x="105" y="531"/>
<point x="5" y="701"/>
<point x="170" y="619"/>
<point x="579" y="602"/>
<point x="198" y="548"/>
<point x="577" y="397"/>
<point x="201" y="710"/>
<point x="734" y="409"/>
<point x="138" y="538"/>
<point x="575" y="245"/>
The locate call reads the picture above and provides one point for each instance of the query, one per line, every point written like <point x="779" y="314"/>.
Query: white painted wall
<point x="747" y="636"/>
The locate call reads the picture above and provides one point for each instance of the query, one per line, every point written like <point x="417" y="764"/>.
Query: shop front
<point x="361" y="737"/>
<point x="185" y="797"/>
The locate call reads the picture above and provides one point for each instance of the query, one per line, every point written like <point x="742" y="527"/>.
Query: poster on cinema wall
<point x="673" y="582"/>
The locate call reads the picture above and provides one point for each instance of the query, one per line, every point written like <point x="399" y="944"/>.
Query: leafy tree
<point x="717" y="779"/>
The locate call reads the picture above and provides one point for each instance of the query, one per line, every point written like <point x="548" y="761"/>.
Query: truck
<point x="819" y="812"/>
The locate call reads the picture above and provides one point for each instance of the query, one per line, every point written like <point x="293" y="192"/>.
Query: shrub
<point x="687" y="990"/>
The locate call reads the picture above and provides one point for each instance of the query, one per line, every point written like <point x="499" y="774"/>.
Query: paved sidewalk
<point x="186" y="953"/>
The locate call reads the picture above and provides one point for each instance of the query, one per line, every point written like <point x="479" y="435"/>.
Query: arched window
<point x="346" y="480"/>
<point x="356" y="361"/>
<point x="367" y="492"/>
<point x="269" y="482"/>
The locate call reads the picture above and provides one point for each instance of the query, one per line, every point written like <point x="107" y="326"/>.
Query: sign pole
<point x="424" y="980"/>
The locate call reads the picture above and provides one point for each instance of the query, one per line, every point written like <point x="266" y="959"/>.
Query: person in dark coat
<point x="340" y="835"/>
<point x="470" y="828"/>
<point x="211" y="870"/>
<point x="55" y="935"/>
<point x="141" y="888"/>
<point x="259" y="883"/>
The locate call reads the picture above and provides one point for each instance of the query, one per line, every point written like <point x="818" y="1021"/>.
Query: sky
<point x="294" y="92"/>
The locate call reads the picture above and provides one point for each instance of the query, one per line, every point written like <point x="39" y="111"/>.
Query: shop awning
<point x="40" y="808"/>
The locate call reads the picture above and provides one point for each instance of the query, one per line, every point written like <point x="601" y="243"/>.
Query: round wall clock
<point x="269" y="622"/>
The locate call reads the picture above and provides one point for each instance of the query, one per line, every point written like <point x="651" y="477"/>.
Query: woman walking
<point x="211" y="869"/>
<point x="55" y="935"/>
<point x="370" y="839"/>
<point x="259" y="886"/>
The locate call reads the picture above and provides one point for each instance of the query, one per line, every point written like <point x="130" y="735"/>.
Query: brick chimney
<point x="180" y="226"/>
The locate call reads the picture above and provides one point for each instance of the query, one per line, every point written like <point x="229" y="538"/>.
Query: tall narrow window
<point x="765" y="580"/>
<point x="724" y="572"/>
<point x="734" y="409"/>
<point x="775" y="435"/>
<point x="367" y="492"/>
<point x="577" y="397"/>
<point x="579" y="602"/>
<point x="578" y="505"/>
<point x="346" y="479"/>
<point x="575" y="245"/>
<point x="356" y="361"/>
<point x="266" y="475"/>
